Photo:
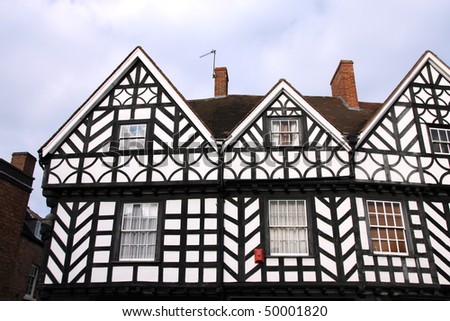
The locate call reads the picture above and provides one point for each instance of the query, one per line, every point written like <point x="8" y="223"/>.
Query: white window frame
<point x="137" y="235"/>
<point x="301" y="227"/>
<point x="277" y="134"/>
<point x="442" y="141"/>
<point x="31" y="283"/>
<point x="132" y="136"/>
<point x="379" y="221"/>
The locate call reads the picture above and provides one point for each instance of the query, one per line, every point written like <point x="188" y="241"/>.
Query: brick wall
<point x="16" y="251"/>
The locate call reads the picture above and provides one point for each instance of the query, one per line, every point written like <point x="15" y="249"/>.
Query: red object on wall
<point x="259" y="255"/>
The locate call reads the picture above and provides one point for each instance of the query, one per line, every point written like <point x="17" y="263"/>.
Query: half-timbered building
<point x="259" y="197"/>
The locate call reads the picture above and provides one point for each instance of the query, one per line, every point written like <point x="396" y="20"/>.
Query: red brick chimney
<point x="221" y="81"/>
<point x="24" y="161"/>
<point x="343" y="83"/>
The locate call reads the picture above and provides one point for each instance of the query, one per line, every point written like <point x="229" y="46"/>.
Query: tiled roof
<point x="223" y="114"/>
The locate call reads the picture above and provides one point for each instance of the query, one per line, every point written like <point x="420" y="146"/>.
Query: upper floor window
<point x="387" y="228"/>
<point x="139" y="231"/>
<point x="132" y="136"/>
<point x="284" y="132"/>
<point x="440" y="138"/>
<point x="288" y="228"/>
<point x="31" y="282"/>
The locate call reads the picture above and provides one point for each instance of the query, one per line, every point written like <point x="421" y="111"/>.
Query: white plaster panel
<point x="232" y="263"/>
<point x="210" y="223"/>
<point x="172" y="224"/>
<point x="124" y="114"/>
<point x="193" y="224"/>
<point x="171" y="256"/>
<point x="147" y="274"/>
<point x="308" y="262"/>
<point x="290" y="262"/>
<point x="273" y="276"/>
<point x="368" y="260"/>
<point x="122" y="274"/>
<point x="171" y="240"/>
<point x="107" y="208"/>
<point x="210" y="239"/>
<point x="328" y="263"/>
<point x="170" y="275"/>
<point x="210" y="206"/>
<point x="291" y="276"/>
<point x="173" y="207"/>
<point x="370" y="276"/>
<point x="102" y="138"/>
<point x="105" y="225"/>
<point x="79" y="251"/>
<point x="364" y="236"/>
<point x="191" y="275"/>
<point x="272" y="262"/>
<point x="309" y="276"/>
<point x="385" y="277"/>
<point x="418" y="234"/>
<point x="382" y="261"/>
<point x="101" y="256"/>
<point x="396" y="261"/>
<point x="142" y="113"/>
<point x="413" y="277"/>
<point x="193" y="239"/>
<point x="209" y="275"/>
<point x="427" y="278"/>
<point x="99" y="274"/>
<point x="192" y="256"/>
<point x="103" y="240"/>
<point x="194" y="206"/>
<point x="421" y="248"/>
<point x="399" y="277"/>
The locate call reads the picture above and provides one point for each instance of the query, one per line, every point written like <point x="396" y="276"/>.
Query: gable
<point x="284" y="101"/>
<point x="132" y="92"/>
<point x="421" y="100"/>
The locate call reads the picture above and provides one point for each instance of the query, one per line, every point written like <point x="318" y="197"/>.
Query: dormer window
<point x="132" y="136"/>
<point x="284" y="132"/>
<point x="440" y="138"/>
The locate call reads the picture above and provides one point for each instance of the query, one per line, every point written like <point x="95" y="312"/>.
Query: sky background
<point x="55" y="53"/>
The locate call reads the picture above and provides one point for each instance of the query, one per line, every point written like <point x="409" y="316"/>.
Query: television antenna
<point x="212" y="52"/>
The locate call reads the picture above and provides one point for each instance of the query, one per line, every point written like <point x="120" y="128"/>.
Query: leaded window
<point x="31" y="282"/>
<point x="139" y="231"/>
<point x="440" y="138"/>
<point x="284" y="132"/>
<point x="288" y="228"/>
<point x="132" y="136"/>
<point x="387" y="228"/>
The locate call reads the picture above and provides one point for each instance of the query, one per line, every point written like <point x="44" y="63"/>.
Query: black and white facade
<point x="150" y="204"/>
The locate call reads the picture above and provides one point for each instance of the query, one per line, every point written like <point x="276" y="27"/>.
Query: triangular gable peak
<point x="124" y="75"/>
<point x="428" y="75"/>
<point x="284" y="94"/>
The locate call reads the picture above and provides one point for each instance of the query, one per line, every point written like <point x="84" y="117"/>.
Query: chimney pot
<point x="24" y="161"/>
<point x="220" y="81"/>
<point x="343" y="83"/>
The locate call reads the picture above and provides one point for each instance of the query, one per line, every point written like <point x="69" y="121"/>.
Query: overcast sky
<point x="54" y="54"/>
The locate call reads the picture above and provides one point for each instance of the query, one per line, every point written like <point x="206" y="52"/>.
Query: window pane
<point x="287" y="227"/>
<point x="390" y="220"/>
<point x="139" y="226"/>
<point x="434" y="134"/>
<point x="393" y="246"/>
<point x="440" y="140"/>
<point x="284" y="132"/>
<point x="387" y="228"/>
